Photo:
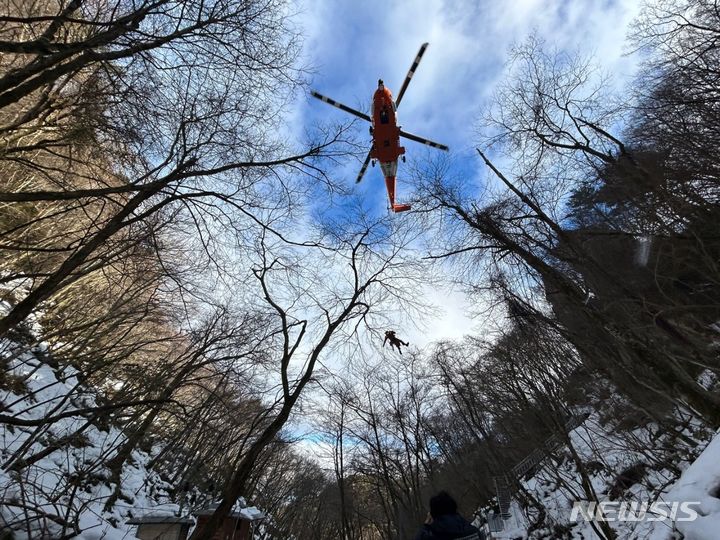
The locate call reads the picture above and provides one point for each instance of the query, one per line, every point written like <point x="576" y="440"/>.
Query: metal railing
<point x="506" y="485"/>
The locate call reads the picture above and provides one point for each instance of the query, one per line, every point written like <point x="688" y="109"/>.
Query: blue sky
<point x="350" y="44"/>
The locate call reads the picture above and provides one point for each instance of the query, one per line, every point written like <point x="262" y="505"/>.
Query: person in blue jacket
<point x="444" y="522"/>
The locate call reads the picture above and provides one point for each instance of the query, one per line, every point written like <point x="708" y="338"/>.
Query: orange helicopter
<point x="385" y="132"/>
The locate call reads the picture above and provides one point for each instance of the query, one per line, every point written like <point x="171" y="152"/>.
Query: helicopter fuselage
<point x="386" y="147"/>
<point x="385" y="131"/>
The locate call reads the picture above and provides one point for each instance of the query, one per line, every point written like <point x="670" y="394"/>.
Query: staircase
<point x="503" y="488"/>
<point x="506" y="484"/>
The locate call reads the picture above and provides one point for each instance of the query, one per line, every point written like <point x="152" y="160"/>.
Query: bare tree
<point x="311" y="310"/>
<point x="186" y="136"/>
<point x="553" y="120"/>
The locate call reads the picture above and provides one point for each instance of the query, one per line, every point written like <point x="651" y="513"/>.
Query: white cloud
<point x="317" y="450"/>
<point x="353" y="43"/>
<point x="453" y="321"/>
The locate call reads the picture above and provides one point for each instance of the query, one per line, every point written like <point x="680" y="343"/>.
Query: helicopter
<point x="385" y="132"/>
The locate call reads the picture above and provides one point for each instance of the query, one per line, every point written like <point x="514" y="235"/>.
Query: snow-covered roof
<point x="249" y="513"/>
<point x="159" y="518"/>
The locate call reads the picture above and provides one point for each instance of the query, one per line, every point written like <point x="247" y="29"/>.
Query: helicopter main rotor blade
<point x="364" y="168"/>
<point x="410" y="74"/>
<point x="423" y="141"/>
<point x="339" y="105"/>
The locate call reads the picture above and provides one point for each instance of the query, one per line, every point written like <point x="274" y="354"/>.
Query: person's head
<point x="442" y="504"/>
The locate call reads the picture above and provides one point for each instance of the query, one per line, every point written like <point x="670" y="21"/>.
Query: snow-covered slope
<point x="637" y="467"/>
<point x="64" y="491"/>
<point x="699" y="483"/>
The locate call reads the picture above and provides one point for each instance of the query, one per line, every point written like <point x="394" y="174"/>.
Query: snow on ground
<point x="69" y="483"/>
<point x="605" y="452"/>
<point x="700" y="483"/>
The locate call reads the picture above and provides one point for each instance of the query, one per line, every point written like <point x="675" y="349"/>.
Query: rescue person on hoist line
<point x="394" y="340"/>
